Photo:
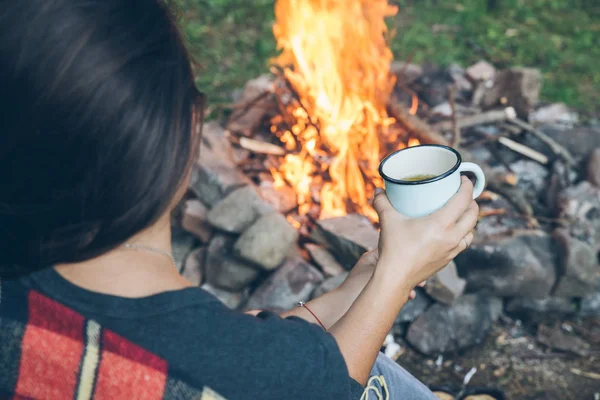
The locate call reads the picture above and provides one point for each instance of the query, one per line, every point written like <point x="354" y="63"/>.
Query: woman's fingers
<point x="466" y="223"/>
<point x="464" y="243"/>
<point x="412" y="295"/>
<point x="457" y="205"/>
<point x="422" y="284"/>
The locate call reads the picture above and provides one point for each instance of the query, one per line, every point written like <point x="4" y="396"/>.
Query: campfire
<point x="278" y="208"/>
<point x="333" y="91"/>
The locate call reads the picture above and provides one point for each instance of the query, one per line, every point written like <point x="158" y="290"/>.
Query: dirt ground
<point x="511" y="359"/>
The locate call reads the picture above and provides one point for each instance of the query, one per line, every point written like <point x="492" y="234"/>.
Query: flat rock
<point x="238" y="210"/>
<point x="533" y="179"/>
<point x="231" y="299"/>
<point x="590" y="305"/>
<point x="182" y="244"/>
<point x="324" y="259"/>
<point x="215" y="174"/>
<point x="404" y="72"/>
<point x="557" y="339"/>
<point x="248" y="120"/>
<point x="267" y="242"/>
<point x="349" y="237"/>
<point x="580" y="206"/>
<point x="556" y="113"/>
<point x="446" y="286"/>
<point x="443" y="328"/>
<point x="329" y="284"/>
<point x="223" y="270"/>
<point x="536" y="310"/>
<point x="481" y="71"/>
<point x="283" y="199"/>
<point x="515" y="87"/>
<point x="521" y="263"/>
<point x="414" y="307"/>
<point x="593" y="168"/>
<point x="193" y="220"/>
<point x="283" y="289"/>
<point x="578" y="266"/>
<point x="579" y="140"/>
<point x="193" y="269"/>
<point x="459" y="76"/>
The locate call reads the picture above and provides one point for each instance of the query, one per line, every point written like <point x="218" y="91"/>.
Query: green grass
<point x="232" y="40"/>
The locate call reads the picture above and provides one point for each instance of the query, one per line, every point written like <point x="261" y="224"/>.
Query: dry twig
<point x="552" y="144"/>
<point x="523" y="150"/>
<point x="258" y="146"/>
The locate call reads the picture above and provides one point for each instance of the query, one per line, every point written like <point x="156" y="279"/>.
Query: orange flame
<point x="335" y="58"/>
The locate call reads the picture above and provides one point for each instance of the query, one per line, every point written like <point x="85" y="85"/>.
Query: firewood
<point x="508" y="114"/>
<point x="552" y="144"/>
<point x="523" y="150"/>
<point x="258" y="146"/>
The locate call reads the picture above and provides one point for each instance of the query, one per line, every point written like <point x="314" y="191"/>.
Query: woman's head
<point x="96" y="126"/>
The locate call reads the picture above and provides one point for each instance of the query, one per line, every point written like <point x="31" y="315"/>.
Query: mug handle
<point x="476" y="169"/>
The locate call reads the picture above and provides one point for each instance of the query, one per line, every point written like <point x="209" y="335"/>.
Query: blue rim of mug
<point x="436" y="178"/>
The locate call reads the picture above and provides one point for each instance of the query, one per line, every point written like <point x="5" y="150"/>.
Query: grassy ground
<point x="232" y="40"/>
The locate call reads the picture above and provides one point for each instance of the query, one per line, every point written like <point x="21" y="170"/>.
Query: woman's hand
<point x="412" y="250"/>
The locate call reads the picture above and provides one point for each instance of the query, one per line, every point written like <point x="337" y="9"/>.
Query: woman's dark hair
<point x="96" y="126"/>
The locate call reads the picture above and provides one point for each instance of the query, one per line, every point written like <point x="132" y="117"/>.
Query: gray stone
<point x="458" y="75"/>
<point x="406" y="73"/>
<point x="267" y="242"/>
<point x="590" y="306"/>
<point x="557" y="339"/>
<point x="578" y="140"/>
<point x="443" y="328"/>
<point x="193" y="269"/>
<point x="329" y="284"/>
<point x="231" y="299"/>
<point x="446" y="286"/>
<point x="414" y="307"/>
<point x="194" y="220"/>
<point x="283" y="289"/>
<point x="283" y="199"/>
<point x="182" y="244"/>
<point x="349" y="237"/>
<point x="556" y="113"/>
<point x="535" y="310"/>
<point x="521" y="263"/>
<point x="593" y="167"/>
<point x="532" y="179"/>
<point x="238" y="210"/>
<point x="223" y="270"/>
<point x="481" y="71"/>
<point x="324" y="259"/>
<point x="248" y="120"/>
<point x="580" y="206"/>
<point x="215" y="174"/>
<point x="515" y="87"/>
<point x="578" y="266"/>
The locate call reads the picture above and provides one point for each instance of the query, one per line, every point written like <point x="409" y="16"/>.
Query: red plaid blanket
<point x="49" y="351"/>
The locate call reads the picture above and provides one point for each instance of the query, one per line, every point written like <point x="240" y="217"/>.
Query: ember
<point x="336" y="65"/>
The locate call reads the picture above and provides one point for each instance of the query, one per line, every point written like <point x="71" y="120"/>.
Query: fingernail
<point x="378" y="191"/>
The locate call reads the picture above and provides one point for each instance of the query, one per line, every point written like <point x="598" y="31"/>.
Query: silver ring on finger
<point x="467" y="244"/>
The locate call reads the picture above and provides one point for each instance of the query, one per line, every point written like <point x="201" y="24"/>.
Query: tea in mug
<point x="420" y="177"/>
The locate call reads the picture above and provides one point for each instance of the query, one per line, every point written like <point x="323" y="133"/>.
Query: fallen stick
<point x="258" y="146"/>
<point x="489" y="117"/>
<point x="552" y="144"/>
<point x="523" y="150"/>
<point x="591" y="375"/>
<point x="455" y="129"/>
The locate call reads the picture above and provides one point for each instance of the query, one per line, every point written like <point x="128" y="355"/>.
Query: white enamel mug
<point x="420" y="198"/>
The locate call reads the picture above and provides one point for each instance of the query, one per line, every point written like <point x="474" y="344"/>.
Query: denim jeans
<point x="389" y="381"/>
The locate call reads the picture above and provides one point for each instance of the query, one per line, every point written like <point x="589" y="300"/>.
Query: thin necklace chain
<point x="152" y="249"/>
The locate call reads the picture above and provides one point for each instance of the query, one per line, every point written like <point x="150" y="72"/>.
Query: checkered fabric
<point x="49" y="351"/>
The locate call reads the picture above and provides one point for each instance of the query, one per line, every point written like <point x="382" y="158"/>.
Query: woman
<point x="99" y="126"/>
